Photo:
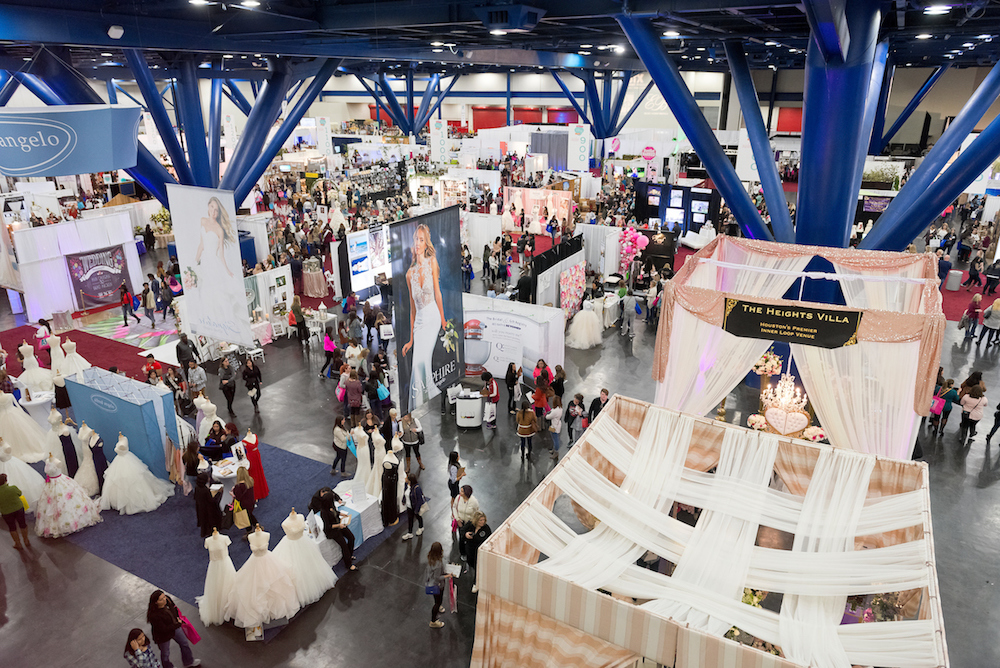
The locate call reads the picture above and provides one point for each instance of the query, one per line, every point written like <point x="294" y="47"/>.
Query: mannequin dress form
<point x="313" y="576"/>
<point x="129" y="486"/>
<point x="53" y="446"/>
<point x="199" y="402"/>
<point x="260" y="490"/>
<point x="64" y="506"/>
<point x="62" y="394"/>
<point x="21" y="475"/>
<point x="95" y="444"/>
<point x="20" y="432"/>
<point x="374" y="484"/>
<point x="87" y="474"/>
<point x="74" y="362"/>
<point x="34" y="377"/>
<point x="390" y="480"/>
<point x="264" y="588"/>
<point x="211" y="416"/>
<point x="56" y="355"/>
<point x="364" y="470"/>
<point x="218" y="581"/>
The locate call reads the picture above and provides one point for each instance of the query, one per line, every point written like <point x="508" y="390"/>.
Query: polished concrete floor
<point x="61" y="606"/>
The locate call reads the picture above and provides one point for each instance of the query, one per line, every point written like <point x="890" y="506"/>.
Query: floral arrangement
<point x="631" y="242"/>
<point x="768" y="365"/>
<point x="814" y="434"/>
<point x="190" y="278"/>
<point x="161" y="219"/>
<point x="571" y="286"/>
<point x="757" y="421"/>
<point x="450" y="337"/>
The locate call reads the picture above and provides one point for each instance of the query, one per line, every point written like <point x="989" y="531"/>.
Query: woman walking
<point x="991" y="324"/>
<point x="513" y="379"/>
<point x="126" y="302"/>
<point x="251" y="377"/>
<point x="574" y="420"/>
<point x="555" y="418"/>
<point x="972" y="316"/>
<point x="354" y="392"/>
<point x="164" y="619"/>
<point x="455" y="473"/>
<point x="527" y="425"/>
<point x="476" y="534"/>
<point x="414" y="499"/>
<point x="340" y="437"/>
<point x="973" y="404"/>
<point x="435" y="580"/>
<point x="329" y="347"/>
<point x="227" y="383"/>
<point x="300" y="320"/>
<point x="559" y="382"/>
<point x="411" y="435"/>
<point x="242" y="492"/>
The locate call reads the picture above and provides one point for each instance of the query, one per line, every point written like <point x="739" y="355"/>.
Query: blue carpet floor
<point x="164" y="547"/>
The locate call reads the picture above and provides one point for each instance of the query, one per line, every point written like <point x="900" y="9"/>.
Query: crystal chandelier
<point x="785" y="396"/>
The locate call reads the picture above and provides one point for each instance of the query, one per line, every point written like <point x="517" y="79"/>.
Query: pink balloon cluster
<point x="631" y="242"/>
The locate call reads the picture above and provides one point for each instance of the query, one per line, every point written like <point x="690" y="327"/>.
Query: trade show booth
<point x="499" y="331"/>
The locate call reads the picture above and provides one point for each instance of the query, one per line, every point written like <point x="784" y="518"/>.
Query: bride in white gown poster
<point x="427" y="290"/>
<point x="208" y="251"/>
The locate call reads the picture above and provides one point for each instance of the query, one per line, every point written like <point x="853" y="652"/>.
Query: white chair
<point x="255" y="353"/>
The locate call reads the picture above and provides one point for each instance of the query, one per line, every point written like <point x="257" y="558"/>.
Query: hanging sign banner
<point x="74" y="139"/>
<point x="578" y="152"/>
<point x="323" y="137"/>
<point x="439" y="141"/>
<point x="794" y="324"/>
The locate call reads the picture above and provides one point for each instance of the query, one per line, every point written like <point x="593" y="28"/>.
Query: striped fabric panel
<point x="508" y="634"/>
<point x="699" y="650"/>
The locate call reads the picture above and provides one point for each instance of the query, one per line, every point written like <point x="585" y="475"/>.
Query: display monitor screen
<point x="699" y="206"/>
<point x="654" y="200"/>
<point x="284" y="168"/>
<point x="676" y="198"/>
<point x="675" y="216"/>
<point x="697" y="218"/>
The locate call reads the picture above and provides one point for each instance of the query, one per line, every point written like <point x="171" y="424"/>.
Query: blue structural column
<point x="596" y="109"/>
<point x="832" y="119"/>
<point x="215" y="128"/>
<point x="635" y="106"/>
<point x="8" y="85"/>
<point x="401" y="118"/>
<point x="436" y="105"/>
<point x="935" y="160"/>
<point x="112" y="91"/>
<point x="616" y="111"/>
<point x="774" y="193"/>
<point x="409" y="101"/>
<point x="193" y="123"/>
<point x="285" y="131"/>
<point x="878" y="128"/>
<point x="646" y="42"/>
<point x="379" y="104"/>
<point x="868" y="118"/>
<point x="970" y="163"/>
<point x="265" y="111"/>
<point x="421" y="118"/>
<point x="238" y="98"/>
<point x="510" y="115"/>
<point x="912" y="105"/>
<point x="154" y="103"/>
<point x="572" y="98"/>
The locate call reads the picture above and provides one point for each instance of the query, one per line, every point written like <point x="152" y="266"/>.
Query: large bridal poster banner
<point x="427" y="298"/>
<point x="208" y="251"/>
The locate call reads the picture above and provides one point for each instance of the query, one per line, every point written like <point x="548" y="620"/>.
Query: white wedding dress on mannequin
<point x="364" y="470"/>
<point x="264" y="588"/>
<point x="34" y="377"/>
<point x="211" y="417"/>
<point x="21" y="475"/>
<point x="20" y="432"/>
<point x="313" y="576"/>
<point x="218" y="581"/>
<point x="585" y="330"/>
<point x="74" y="361"/>
<point x="129" y="486"/>
<point x="64" y="506"/>
<point x="56" y="353"/>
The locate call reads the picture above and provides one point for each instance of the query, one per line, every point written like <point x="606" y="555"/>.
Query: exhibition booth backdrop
<point x="58" y="261"/>
<point x="111" y="403"/>
<point x="532" y="201"/>
<point x="724" y="309"/>
<point x="500" y="331"/>
<point x="478" y="230"/>
<point x="814" y="523"/>
<point x="550" y="265"/>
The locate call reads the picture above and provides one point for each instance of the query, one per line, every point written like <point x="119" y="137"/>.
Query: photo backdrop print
<point x="208" y="251"/>
<point x="427" y="299"/>
<point x="98" y="275"/>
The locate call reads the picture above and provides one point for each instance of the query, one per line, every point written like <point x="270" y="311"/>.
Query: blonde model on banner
<point x="208" y="251"/>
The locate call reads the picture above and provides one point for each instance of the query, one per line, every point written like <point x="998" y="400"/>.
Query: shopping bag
<point x="638" y="309"/>
<point x="24" y="502"/>
<point x="489" y="411"/>
<point x="584" y="421"/>
<point x="241" y="518"/>
<point x="424" y="507"/>
<point x="937" y="405"/>
<point x="340" y="393"/>
<point x="452" y="598"/>
<point x="383" y="392"/>
<point x="189" y="631"/>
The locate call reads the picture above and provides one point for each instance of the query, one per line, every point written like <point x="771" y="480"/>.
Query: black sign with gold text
<point x="794" y="324"/>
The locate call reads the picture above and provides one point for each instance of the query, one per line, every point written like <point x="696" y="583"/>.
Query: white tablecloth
<point x="368" y="509"/>
<point x="39" y="406"/>
<point x="612" y="309"/>
<point x="224" y="471"/>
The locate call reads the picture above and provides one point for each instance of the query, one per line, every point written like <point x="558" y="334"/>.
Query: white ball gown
<point x="585" y="330"/>
<point x="373" y="484"/>
<point x="56" y="353"/>
<point x="36" y="378"/>
<point x="313" y="576"/>
<point x="87" y="475"/>
<point x="22" y="476"/>
<point x="426" y="329"/>
<point x="64" y="506"/>
<point x="364" y="471"/>
<point x="74" y="361"/>
<point x="129" y="485"/>
<point x="264" y="588"/>
<point x="20" y="432"/>
<point x="218" y="581"/>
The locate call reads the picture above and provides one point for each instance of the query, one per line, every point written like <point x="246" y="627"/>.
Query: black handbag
<point x="227" y="518"/>
<point x="420" y="437"/>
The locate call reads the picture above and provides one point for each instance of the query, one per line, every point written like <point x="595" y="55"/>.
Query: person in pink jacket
<point x="973" y="405"/>
<point x="329" y="347"/>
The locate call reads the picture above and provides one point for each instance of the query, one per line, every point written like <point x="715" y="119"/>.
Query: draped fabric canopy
<point x="860" y="525"/>
<point x="868" y="395"/>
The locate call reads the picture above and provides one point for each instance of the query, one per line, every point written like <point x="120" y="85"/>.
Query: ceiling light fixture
<point x="437" y="43"/>
<point x="198" y="2"/>
<point x="936" y="10"/>
<point x="969" y="45"/>
<point x="116" y="32"/>
<point x="586" y="46"/>
<point x="227" y="56"/>
<point x="770" y="44"/>
<point x="700" y="48"/>
<point x="498" y="32"/>
<point x="671" y="33"/>
<point x="619" y="49"/>
<point x="924" y="35"/>
<point x="584" y="53"/>
<point x="250" y="3"/>
<point x="437" y="50"/>
<point x="106" y="54"/>
<point x="983" y="36"/>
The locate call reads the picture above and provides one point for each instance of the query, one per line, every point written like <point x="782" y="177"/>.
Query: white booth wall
<point x="256" y="225"/>
<point x="479" y="229"/>
<point x="41" y="251"/>
<point x="600" y="246"/>
<point x="514" y="332"/>
<point x="547" y="291"/>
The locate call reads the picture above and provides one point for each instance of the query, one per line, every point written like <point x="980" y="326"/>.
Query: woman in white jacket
<point x="555" y="418"/>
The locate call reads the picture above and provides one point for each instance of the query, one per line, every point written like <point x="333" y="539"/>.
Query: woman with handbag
<point x="412" y="436"/>
<point x="435" y="580"/>
<point x="513" y="380"/>
<point x="476" y="533"/>
<point x="455" y="473"/>
<point x="340" y="438"/>
<point x="414" y="500"/>
<point x="166" y="621"/>
<point x="554" y="416"/>
<point x="971" y="316"/>
<point x="574" y="421"/>
<point x="973" y="404"/>
<point x="944" y="396"/>
<point x="527" y="425"/>
<point x="242" y="493"/>
<point x="251" y="378"/>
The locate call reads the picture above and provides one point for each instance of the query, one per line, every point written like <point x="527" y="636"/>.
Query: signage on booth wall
<point x="439" y="141"/>
<point x="323" y="136"/>
<point x="616" y="145"/>
<point x="578" y="152"/>
<point x="97" y="276"/>
<point x="794" y="324"/>
<point x="74" y="139"/>
<point x="648" y="153"/>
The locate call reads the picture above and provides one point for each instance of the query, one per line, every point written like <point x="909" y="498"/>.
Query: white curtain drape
<point x="863" y="394"/>
<point x="756" y="283"/>
<point x="901" y="296"/>
<point x="705" y="363"/>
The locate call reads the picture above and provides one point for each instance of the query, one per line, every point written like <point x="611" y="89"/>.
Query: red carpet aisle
<point x="98" y="351"/>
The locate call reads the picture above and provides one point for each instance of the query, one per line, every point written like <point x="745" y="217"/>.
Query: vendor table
<point x="369" y="520"/>
<point x="314" y="284"/>
<point x="612" y="308"/>
<point x="224" y="471"/>
<point x="469" y="408"/>
<point x="163" y="239"/>
<point x="263" y="332"/>
<point x="39" y="406"/>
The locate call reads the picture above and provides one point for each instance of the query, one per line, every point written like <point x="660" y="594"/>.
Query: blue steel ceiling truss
<point x="387" y="102"/>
